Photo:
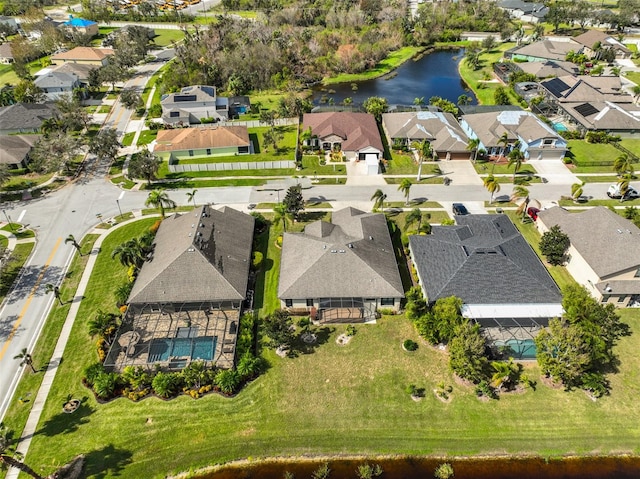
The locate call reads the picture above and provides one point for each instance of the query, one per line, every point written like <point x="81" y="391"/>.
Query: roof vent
<point x="334" y="250"/>
<point x="191" y="250"/>
<point x="193" y="225"/>
<point x="324" y="246"/>
<point x="342" y="251"/>
<point x="371" y="238"/>
<point x="189" y="234"/>
<point x="201" y="225"/>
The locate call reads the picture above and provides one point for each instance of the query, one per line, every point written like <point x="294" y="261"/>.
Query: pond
<point x="434" y="74"/>
<point x="421" y="468"/>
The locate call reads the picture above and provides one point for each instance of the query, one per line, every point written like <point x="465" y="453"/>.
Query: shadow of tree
<point x="108" y="461"/>
<point x="298" y="345"/>
<point x="63" y="423"/>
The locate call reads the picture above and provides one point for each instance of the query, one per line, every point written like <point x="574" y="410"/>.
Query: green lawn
<point x="473" y="78"/>
<point x="25" y="181"/>
<point x="592" y="154"/>
<point x="485" y="168"/>
<point x="633" y="76"/>
<point x="20" y="254"/>
<point x="631" y="144"/>
<point x="599" y="179"/>
<point x="393" y="61"/>
<point x="334" y="400"/>
<point x="601" y="202"/>
<point x="164" y="38"/>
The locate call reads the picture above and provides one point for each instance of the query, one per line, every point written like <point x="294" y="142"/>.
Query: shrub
<point x="105" y="385"/>
<point x="411" y="389"/>
<point x="91" y="372"/>
<point x="410" y="345"/>
<point x="484" y="389"/>
<point x="244" y="342"/>
<point x="227" y="380"/>
<point x="444" y="471"/>
<point x="257" y="259"/>
<point x="166" y="385"/>
<point x="351" y="330"/>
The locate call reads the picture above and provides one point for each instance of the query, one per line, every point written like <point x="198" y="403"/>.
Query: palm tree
<point x="50" y="288"/>
<point x="473" y="145"/>
<point x="378" y="199"/>
<point x="520" y="192"/>
<point x="418" y="101"/>
<point x="9" y="457"/>
<point x="414" y="216"/>
<point x="130" y="253"/>
<point x="191" y="196"/>
<point x="505" y="374"/>
<point x="492" y="185"/>
<point x="72" y="240"/>
<point x="623" y="165"/>
<point x="101" y="324"/>
<point x="463" y="100"/>
<point x="405" y="187"/>
<point x="281" y="215"/>
<point x="424" y="152"/>
<point x="25" y="359"/>
<point x="504" y="141"/>
<point x="636" y="91"/>
<point x="576" y="191"/>
<point x="160" y="199"/>
<point x="516" y="157"/>
<point x="623" y="186"/>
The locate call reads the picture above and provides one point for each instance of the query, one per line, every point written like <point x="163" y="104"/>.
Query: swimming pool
<point x="194" y="348"/>
<point x="519" y="348"/>
<point x="559" y="126"/>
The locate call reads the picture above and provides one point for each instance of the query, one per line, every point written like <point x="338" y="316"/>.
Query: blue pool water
<point x="194" y="348"/>
<point x="519" y="348"/>
<point x="559" y="127"/>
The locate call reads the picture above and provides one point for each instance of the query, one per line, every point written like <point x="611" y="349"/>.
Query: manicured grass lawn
<point x="28" y="180"/>
<point x="633" y="76"/>
<point x="585" y="154"/>
<point x="18" y="412"/>
<point x="601" y="202"/>
<point x="531" y="234"/>
<point x="475" y="77"/>
<point x="393" y="60"/>
<point x="147" y="136"/>
<point x="127" y="139"/>
<point x="436" y="217"/>
<point x="311" y="166"/>
<point x="20" y="253"/>
<point x="599" y="179"/>
<point x="123" y="182"/>
<point x="333" y="400"/>
<point x="631" y="144"/>
<point x="414" y="203"/>
<point x="164" y="38"/>
<point x="19" y="234"/>
<point x="503" y="168"/>
<point x="195" y="183"/>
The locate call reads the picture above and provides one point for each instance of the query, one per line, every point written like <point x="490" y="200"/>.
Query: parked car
<point x="533" y="212"/>
<point x="460" y="209"/>
<point x="614" y="192"/>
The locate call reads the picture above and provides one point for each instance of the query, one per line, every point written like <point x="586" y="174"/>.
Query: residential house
<point x="183" y="143"/>
<point x="56" y="85"/>
<point x="81" y="70"/>
<point x="85" y="55"/>
<point x="10" y="22"/>
<point x="542" y="50"/>
<point x="594" y="42"/>
<point x="535" y="138"/>
<point x="194" y="104"/>
<point x="548" y="68"/>
<point x="340" y="271"/>
<point x="440" y="129"/>
<point x="486" y="262"/>
<point x="25" y="117"/>
<point x="80" y="25"/>
<point x="355" y="134"/>
<point x="15" y="149"/>
<point x="604" y="254"/>
<point x="186" y="302"/>
<point x="6" y="54"/>
<point x="593" y="103"/>
<point x="530" y="12"/>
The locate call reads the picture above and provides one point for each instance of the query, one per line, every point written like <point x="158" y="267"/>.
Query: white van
<point x="614" y="192"/>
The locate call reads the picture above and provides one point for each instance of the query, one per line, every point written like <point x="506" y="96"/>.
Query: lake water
<point x="422" y="468"/>
<point x="434" y="74"/>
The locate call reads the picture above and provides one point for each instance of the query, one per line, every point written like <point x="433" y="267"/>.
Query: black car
<point x="460" y="209"/>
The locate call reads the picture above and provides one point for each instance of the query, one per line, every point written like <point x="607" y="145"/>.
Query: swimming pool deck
<point x="173" y="330"/>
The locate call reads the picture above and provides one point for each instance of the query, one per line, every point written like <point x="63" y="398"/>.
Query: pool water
<point x="194" y="348"/>
<point x="559" y="127"/>
<point x="519" y="348"/>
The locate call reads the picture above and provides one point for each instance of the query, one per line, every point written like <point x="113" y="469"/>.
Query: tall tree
<point x="423" y="148"/>
<point x="54" y="153"/>
<point x="7" y="96"/>
<point x="576" y="191"/>
<point x="281" y="215"/>
<point x="405" y="187"/>
<point x="105" y="144"/>
<point x="492" y="185"/>
<point x="516" y="157"/>
<point x="293" y="201"/>
<point x="72" y="116"/>
<point x="130" y="253"/>
<point x="191" y="196"/>
<point x="160" y="199"/>
<point x="376" y="106"/>
<point x="277" y="326"/>
<point x="623" y="165"/>
<point x="25" y="359"/>
<point x="71" y="239"/>
<point x="623" y="187"/>
<point x="144" y="164"/>
<point x="130" y="98"/>
<point x="51" y="288"/>
<point x="554" y="244"/>
<point x="27" y="92"/>
<point x="378" y="199"/>
<point x="9" y="457"/>
<point x="473" y="145"/>
<point x="467" y="353"/>
<point x="413" y="217"/>
<point x="520" y="193"/>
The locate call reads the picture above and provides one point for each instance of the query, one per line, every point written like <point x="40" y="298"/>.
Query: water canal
<point x="434" y="74"/>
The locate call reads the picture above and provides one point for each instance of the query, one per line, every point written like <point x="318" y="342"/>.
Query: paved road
<point x="71" y="210"/>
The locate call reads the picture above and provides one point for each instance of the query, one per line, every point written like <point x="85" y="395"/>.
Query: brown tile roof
<point x="203" y="255"/>
<point x="440" y="129"/>
<point x="5" y="50"/>
<point x="84" y="53"/>
<point x="14" y="148"/>
<point x="201" y="138"/>
<point x="357" y="130"/>
<point x="590" y="37"/>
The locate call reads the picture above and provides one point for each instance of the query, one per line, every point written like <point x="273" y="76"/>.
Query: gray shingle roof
<point x="14" y="148"/>
<point x="548" y="49"/>
<point x="23" y="116"/>
<point x="56" y="79"/>
<point x="351" y="257"/>
<point x="489" y="127"/>
<point x="482" y="260"/>
<point x="202" y="255"/>
<point x="605" y="115"/>
<point x="608" y="242"/>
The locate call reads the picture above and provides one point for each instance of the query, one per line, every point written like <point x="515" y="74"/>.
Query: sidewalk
<point x="40" y="400"/>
